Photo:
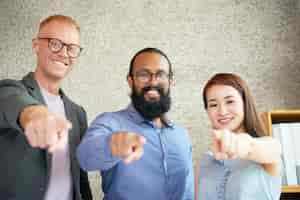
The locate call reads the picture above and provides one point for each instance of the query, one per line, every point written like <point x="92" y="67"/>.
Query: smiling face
<point x="225" y="108"/>
<point x="150" y="84"/>
<point x="50" y="65"/>
<point x="154" y="64"/>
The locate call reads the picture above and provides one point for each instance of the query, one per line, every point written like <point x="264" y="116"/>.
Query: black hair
<point x="150" y="50"/>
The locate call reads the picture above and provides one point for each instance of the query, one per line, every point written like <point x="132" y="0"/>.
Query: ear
<point x="129" y="81"/>
<point x="35" y="45"/>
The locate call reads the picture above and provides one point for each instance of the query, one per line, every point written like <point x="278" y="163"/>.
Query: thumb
<point x="140" y="140"/>
<point x="217" y="134"/>
<point x="60" y="144"/>
<point x="63" y="125"/>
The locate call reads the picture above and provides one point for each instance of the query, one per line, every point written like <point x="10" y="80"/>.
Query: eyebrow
<point x="147" y="70"/>
<point x="226" y="97"/>
<point x="211" y="100"/>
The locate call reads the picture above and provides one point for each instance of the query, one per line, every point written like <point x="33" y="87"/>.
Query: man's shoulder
<point x="11" y="83"/>
<point x="11" y="87"/>
<point x="113" y="117"/>
<point x="111" y="114"/>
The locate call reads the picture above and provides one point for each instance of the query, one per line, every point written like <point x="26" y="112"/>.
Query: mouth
<point x="152" y="95"/>
<point x="62" y="63"/>
<point x="225" y="121"/>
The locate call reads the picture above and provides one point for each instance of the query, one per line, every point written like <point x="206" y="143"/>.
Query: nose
<point x="222" y="110"/>
<point x="64" y="51"/>
<point x="153" y="80"/>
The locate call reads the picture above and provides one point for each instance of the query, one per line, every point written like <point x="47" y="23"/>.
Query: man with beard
<point x="141" y="154"/>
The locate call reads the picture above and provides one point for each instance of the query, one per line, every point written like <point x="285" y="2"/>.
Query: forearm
<point x="94" y="153"/>
<point x="265" y="150"/>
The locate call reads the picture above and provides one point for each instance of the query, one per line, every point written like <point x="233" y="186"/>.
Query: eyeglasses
<point x="56" y="45"/>
<point x="146" y="76"/>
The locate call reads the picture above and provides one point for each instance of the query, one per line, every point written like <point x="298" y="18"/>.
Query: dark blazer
<point x="25" y="171"/>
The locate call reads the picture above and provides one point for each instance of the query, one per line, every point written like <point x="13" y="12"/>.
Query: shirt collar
<point x="136" y="116"/>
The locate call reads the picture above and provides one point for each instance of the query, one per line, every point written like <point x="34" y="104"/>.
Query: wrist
<point x="247" y="145"/>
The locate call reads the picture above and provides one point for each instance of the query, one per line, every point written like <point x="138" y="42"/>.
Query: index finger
<point x="222" y="138"/>
<point x="134" y="156"/>
<point x="138" y="140"/>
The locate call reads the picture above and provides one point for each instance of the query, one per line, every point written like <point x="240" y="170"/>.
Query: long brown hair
<point x="252" y="122"/>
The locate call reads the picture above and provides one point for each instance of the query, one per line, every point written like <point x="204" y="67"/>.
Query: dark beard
<point x="151" y="109"/>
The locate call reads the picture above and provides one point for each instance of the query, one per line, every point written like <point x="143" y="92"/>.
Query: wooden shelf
<point x="279" y="116"/>
<point x="290" y="189"/>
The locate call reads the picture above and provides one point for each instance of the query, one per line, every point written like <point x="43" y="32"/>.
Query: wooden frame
<point x="277" y="116"/>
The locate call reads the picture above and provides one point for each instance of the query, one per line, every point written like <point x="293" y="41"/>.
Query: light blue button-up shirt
<point x="164" y="172"/>
<point x="235" y="179"/>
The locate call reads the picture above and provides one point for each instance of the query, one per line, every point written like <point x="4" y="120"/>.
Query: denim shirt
<point x="235" y="179"/>
<point x="164" y="172"/>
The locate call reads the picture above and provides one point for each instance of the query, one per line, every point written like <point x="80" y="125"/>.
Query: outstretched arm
<point x="104" y="145"/>
<point x="264" y="150"/>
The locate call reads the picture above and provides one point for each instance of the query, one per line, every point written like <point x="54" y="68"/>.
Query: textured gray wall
<point x="260" y="40"/>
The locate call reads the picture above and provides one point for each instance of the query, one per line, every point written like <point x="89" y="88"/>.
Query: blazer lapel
<point x="33" y="87"/>
<point x="34" y="91"/>
<point x="74" y="136"/>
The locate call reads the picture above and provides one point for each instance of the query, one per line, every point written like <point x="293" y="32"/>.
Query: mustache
<point x="160" y="90"/>
<point x="151" y="109"/>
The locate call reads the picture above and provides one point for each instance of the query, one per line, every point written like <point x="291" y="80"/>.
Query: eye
<point x="143" y="74"/>
<point x="161" y="74"/>
<point x="212" y="105"/>
<point x="74" y="49"/>
<point x="230" y="101"/>
<point x="56" y="44"/>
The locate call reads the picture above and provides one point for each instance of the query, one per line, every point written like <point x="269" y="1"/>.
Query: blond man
<point x="40" y="126"/>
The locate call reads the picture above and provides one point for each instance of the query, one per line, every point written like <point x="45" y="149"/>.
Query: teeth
<point x="60" y="63"/>
<point x="152" y="91"/>
<point x="224" y="120"/>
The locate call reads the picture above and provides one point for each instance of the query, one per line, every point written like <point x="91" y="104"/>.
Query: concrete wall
<point x="259" y="40"/>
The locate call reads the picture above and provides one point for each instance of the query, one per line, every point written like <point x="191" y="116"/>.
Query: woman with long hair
<point x="243" y="163"/>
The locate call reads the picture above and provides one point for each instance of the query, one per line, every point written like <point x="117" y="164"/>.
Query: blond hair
<point x="60" y="18"/>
